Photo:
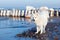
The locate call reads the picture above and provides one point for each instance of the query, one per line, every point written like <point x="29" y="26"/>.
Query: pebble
<point x="56" y="30"/>
<point x="56" y="38"/>
<point x="51" y="28"/>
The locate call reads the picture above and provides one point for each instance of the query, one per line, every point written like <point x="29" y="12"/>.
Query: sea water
<point x="10" y="27"/>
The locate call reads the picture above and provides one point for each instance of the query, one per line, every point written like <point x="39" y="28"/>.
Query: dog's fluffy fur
<point x="41" y="20"/>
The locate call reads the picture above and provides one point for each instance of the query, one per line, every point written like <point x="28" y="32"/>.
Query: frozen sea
<point x="10" y="27"/>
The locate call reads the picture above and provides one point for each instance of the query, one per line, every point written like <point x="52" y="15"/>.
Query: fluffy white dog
<point x="41" y="19"/>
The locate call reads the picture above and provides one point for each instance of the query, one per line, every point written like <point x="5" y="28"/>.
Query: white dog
<point x="41" y="19"/>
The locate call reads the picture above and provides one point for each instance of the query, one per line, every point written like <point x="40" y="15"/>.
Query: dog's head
<point x="35" y="16"/>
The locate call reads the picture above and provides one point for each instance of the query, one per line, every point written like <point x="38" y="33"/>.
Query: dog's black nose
<point x="33" y="19"/>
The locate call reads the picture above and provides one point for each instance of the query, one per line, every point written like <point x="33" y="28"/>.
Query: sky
<point x="21" y="4"/>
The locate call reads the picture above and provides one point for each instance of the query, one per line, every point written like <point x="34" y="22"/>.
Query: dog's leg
<point x="41" y="28"/>
<point x="37" y="30"/>
<point x="44" y="29"/>
<point x="45" y="25"/>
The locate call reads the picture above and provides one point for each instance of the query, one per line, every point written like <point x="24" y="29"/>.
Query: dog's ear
<point x="33" y="15"/>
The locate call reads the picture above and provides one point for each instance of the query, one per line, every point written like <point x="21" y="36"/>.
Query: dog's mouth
<point x="35" y="17"/>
